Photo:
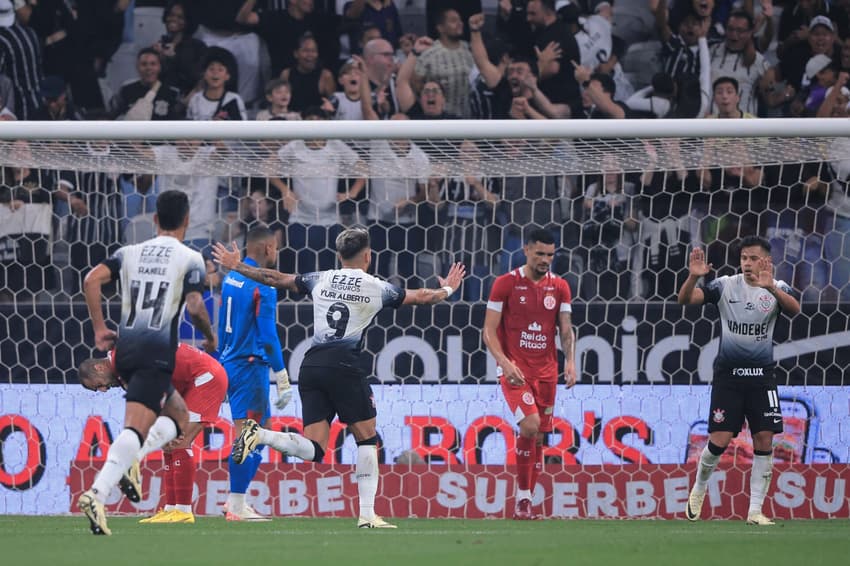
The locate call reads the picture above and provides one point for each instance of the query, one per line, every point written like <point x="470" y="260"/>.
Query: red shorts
<point x="205" y="398"/>
<point x="532" y="397"/>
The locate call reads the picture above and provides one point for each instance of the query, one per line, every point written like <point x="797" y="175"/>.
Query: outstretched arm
<point x="104" y="338"/>
<point x="230" y="258"/>
<point x="433" y="296"/>
<point x="689" y="294"/>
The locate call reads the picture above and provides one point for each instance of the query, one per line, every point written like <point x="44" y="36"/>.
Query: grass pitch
<point x="431" y="542"/>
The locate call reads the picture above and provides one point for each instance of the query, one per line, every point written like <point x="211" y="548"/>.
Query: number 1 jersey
<point x="155" y="277"/>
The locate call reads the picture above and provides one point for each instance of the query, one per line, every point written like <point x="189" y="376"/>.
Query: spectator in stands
<point x="448" y="61"/>
<point x="431" y="103"/>
<point x="56" y="104"/>
<point x="468" y="210"/>
<point x="434" y="8"/>
<point x="26" y="214"/>
<point x="680" y="53"/>
<point x="20" y="60"/>
<point x="93" y="229"/>
<point x="597" y="96"/>
<point x="308" y="80"/>
<point x="182" y="55"/>
<point x="512" y="26"/>
<point x="282" y="31"/>
<point x="382" y="14"/>
<point x="217" y="100"/>
<point x="556" y="50"/>
<point x="657" y="99"/>
<point x="147" y="98"/>
<point x="345" y="104"/>
<point x="394" y="234"/>
<point x="610" y="232"/>
<point x="512" y="84"/>
<point x="738" y="58"/>
<point x="836" y="99"/>
<point x="260" y="209"/>
<point x="378" y="66"/>
<point x="821" y="74"/>
<point x="601" y="50"/>
<point x="796" y="22"/>
<point x="727" y="99"/>
<point x="312" y="201"/>
<point x="278" y="95"/>
<point x="820" y="40"/>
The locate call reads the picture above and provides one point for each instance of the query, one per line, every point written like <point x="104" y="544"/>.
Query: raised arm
<point x="689" y="294"/>
<point x="230" y="258"/>
<point x="492" y="73"/>
<point x="787" y="303"/>
<point x="659" y="9"/>
<point x="404" y="82"/>
<point x="246" y="15"/>
<point x="433" y="296"/>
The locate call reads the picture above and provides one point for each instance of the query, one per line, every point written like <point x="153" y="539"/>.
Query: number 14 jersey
<point x="345" y="302"/>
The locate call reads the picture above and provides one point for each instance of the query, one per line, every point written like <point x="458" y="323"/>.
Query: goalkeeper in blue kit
<point x="250" y="347"/>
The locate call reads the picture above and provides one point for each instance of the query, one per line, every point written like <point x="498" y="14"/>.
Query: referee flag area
<point x="66" y="540"/>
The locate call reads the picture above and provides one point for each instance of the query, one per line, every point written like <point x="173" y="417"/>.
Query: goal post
<point x="625" y="201"/>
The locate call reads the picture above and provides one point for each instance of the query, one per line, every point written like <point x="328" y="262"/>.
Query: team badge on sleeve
<point x="718" y="415"/>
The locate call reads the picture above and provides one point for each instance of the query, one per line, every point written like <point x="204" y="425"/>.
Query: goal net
<point x="624" y="200"/>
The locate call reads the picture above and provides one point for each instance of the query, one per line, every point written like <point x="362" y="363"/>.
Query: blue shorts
<point x="248" y="389"/>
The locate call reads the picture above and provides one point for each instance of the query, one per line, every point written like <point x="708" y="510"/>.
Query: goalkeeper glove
<point x="284" y="388"/>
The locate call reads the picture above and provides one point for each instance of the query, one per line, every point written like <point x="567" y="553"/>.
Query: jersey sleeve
<point x="196" y="275"/>
<point x="266" y="306"/>
<point x="713" y="290"/>
<point x="392" y="296"/>
<point x="499" y="294"/>
<point x="114" y="262"/>
<point x="566" y="296"/>
<point x="307" y="282"/>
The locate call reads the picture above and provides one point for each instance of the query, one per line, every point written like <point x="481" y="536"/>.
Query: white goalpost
<point x="625" y="202"/>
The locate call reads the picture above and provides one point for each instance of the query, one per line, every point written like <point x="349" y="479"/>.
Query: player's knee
<point x="529" y="426"/>
<point x="715" y="449"/>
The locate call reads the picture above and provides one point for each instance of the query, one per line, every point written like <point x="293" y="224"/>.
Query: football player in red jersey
<point x="202" y="382"/>
<point x="527" y="306"/>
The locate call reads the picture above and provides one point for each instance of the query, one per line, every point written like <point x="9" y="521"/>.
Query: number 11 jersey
<point x="155" y="277"/>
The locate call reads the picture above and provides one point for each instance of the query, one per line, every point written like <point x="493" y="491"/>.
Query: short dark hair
<point x="523" y="58"/>
<point x="724" y="80"/>
<point x="351" y="242"/>
<point x="148" y="51"/>
<point x="87" y="368"/>
<point x="317" y="111"/>
<point x="273" y="84"/>
<point x="749" y="241"/>
<point x="443" y="14"/>
<point x="743" y="15"/>
<point x="172" y="207"/>
<point x="539" y="235"/>
<point x="258" y="234"/>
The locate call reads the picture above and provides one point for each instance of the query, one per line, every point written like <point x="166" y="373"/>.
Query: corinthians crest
<point x="718" y="415"/>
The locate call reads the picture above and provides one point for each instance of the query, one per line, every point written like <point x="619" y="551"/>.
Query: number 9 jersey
<point x="156" y="275"/>
<point x="345" y="301"/>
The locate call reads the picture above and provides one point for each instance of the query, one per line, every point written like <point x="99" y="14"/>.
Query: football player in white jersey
<point x="330" y="380"/>
<point x="156" y="276"/>
<point x="744" y="385"/>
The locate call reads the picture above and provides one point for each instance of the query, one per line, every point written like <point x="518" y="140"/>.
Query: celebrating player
<point x="202" y="382"/>
<point x="526" y="306"/>
<point x="744" y="385"/>
<point x="330" y="382"/>
<point x="156" y="275"/>
<point x="247" y="331"/>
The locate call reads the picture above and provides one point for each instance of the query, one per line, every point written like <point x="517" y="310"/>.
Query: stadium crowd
<point x="619" y="235"/>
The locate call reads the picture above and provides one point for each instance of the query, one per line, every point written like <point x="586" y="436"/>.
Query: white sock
<point x="118" y="459"/>
<point x="288" y="443"/>
<point x="707" y="463"/>
<point x="161" y="433"/>
<point x="366" y="471"/>
<point x="760" y="476"/>
<point x="169" y="507"/>
<point x="184" y="508"/>
<point x="236" y="503"/>
<point x="523" y="494"/>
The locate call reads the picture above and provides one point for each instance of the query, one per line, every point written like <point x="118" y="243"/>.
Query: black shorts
<point x="735" y="398"/>
<point x="327" y="392"/>
<point x="149" y="386"/>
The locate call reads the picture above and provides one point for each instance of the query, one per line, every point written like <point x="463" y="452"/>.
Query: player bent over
<point x="744" y="385"/>
<point x="202" y="382"/>
<point x="331" y="383"/>
<point x="526" y="307"/>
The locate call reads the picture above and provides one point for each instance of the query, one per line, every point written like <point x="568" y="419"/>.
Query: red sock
<point x="168" y="461"/>
<point x="537" y="458"/>
<point x="524" y="461"/>
<point x="184" y="476"/>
